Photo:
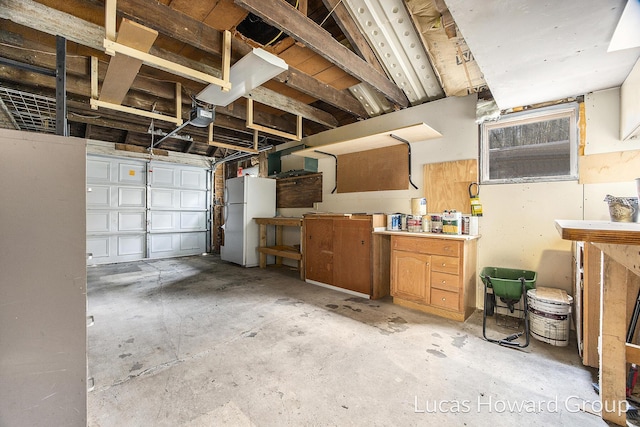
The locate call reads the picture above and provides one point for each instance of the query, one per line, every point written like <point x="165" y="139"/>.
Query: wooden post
<point x="278" y="243"/>
<point x="613" y="330"/>
<point x="263" y="243"/>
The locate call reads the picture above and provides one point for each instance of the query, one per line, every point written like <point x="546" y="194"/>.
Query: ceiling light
<point x="255" y="68"/>
<point x="389" y="29"/>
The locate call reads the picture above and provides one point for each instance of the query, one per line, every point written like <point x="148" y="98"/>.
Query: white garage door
<point x="138" y="209"/>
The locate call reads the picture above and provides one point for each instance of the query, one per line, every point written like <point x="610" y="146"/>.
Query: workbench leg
<point x="302" y="250"/>
<point x="613" y="329"/>
<point x="278" y="243"/>
<point x="263" y="243"/>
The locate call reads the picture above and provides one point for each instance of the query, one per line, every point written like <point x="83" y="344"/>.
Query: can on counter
<point x="436" y="223"/>
<point x="394" y="222"/>
<point x="414" y="223"/>
<point x="426" y="223"/>
<point x="403" y="222"/>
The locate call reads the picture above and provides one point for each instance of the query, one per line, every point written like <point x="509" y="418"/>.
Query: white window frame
<point x="570" y="110"/>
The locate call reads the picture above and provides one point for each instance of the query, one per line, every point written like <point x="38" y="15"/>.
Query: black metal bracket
<point x="61" y="86"/>
<point x="409" y="158"/>
<point x="336" y="159"/>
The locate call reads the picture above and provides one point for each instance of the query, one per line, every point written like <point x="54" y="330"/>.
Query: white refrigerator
<point x="245" y="198"/>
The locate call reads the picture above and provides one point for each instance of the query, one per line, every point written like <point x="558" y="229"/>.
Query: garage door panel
<point x="132" y="173"/>
<point x="162" y="198"/>
<point x="98" y="170"/>
<point x="98" y="247"/>
<point x="98" y="222"/>
<point x="98" y="196"/>
<point x="192" y="199"/>
<point x="177" y="244"/>
<point x="131" y="197"/>
<point x="195" y="179"/>
<point x="192" y="221"/>
<point x="192" y="242"/>
<point x="138" y="209"/>
<point x="132" y="221"/>
<point x="161" y="176"/>
<point x="131" y="245"/>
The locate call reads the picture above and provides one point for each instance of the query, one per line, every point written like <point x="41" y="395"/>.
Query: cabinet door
<point x="319" y="250"/>
<point x="410" y="276"/>
<point x="352" y="254"/>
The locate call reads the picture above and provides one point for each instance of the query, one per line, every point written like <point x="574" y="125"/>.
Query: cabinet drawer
<point x="445" y="264"/>
<point x="445" y="299"/>
<point x="446" y="247"/>
<point x="445" y="281"/>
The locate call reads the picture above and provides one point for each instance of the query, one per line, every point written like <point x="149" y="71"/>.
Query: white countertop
<point x="428" y="235"/>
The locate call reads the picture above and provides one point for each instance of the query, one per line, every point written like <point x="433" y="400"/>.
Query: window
<point x="532" y="146"/>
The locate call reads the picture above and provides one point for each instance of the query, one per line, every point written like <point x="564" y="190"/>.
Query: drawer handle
<point x="444" y="282"/>
<point x="444" y="264"/>
<point x="444" y="299"/>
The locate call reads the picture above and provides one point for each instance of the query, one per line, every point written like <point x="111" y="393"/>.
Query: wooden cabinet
<point x="341" y="252"/>
<point x="434" y="273"/>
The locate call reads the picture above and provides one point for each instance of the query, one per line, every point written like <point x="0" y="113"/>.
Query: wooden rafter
<point x="194" y="33"/>
<point x="281" y="15"/>
<point x="351" y="31"/>
<point x="52" y="21"/>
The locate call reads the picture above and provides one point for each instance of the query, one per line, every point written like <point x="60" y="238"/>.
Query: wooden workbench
<point x="620" y="244"/>
<point x="279" y="250"/>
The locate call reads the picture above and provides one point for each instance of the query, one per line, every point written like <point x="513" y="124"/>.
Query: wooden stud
<point x="164" y="65"/>
<point x="251" y="125"/>
<point x="232" y="147"/>
<point x="255" y="140"/>
<point x="179" y="101"/>
<point x="110" y="19"/>
<point x="95" y="103"/>
<point x="226" y="58"/>
<point x="94" y="80"/>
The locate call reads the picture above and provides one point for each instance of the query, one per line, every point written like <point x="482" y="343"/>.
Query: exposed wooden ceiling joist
<point x="282" y="15"/>
<point x="352" y="32"/>
<point x="51" y="21"/>
<point x="194" y="33"/>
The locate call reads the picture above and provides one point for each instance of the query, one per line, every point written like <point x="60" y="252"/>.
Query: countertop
<point x="428" y="235"/>
<point x="620" y="233"/>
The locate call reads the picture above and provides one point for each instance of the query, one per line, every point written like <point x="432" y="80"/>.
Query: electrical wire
<point x="280" y="33"/>
<point x="332" y="10"/>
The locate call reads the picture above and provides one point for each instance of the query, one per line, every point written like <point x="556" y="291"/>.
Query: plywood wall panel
<point x="374" y="170"/>
<point x="446" y="185"/>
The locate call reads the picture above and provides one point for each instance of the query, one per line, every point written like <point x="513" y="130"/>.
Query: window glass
<point x="532" y="146"/>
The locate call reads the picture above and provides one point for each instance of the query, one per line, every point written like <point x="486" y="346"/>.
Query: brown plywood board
<point x="619" y="166"/>
<point x="124" y="69"/>
<point x="446" y="185"/>
<point x="374" y="170"/>
<point x="299" y="191"/>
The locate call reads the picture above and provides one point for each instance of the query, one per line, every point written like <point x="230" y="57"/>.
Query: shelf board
<point x="413" y="133"/>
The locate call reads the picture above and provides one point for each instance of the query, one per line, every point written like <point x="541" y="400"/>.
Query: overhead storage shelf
<point x="413" y="133"/>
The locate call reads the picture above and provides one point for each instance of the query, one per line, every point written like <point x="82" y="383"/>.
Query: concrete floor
<point x="199" y="342"/>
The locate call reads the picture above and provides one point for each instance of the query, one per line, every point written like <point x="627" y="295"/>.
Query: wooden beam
<point x="284" y="103"/>
<point x="123" y="69"/>
<point x="281" y="15"/>
<point x="194" y="33"/>
<point x="352" y="32"/>
<point x="251" y="125"/>
<point x="136" y="111"/>
<point x="51" y="21"/>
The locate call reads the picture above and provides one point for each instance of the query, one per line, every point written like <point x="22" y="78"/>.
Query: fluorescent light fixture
<point x="389" y="29"/>
<point x="371" y="100"/>
<point x="255" y="68"/>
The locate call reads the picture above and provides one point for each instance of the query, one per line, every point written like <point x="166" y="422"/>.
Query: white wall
<point x="518" y="229"/>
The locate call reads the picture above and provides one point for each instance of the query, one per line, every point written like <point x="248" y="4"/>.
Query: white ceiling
<point x="533" y="51"/>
